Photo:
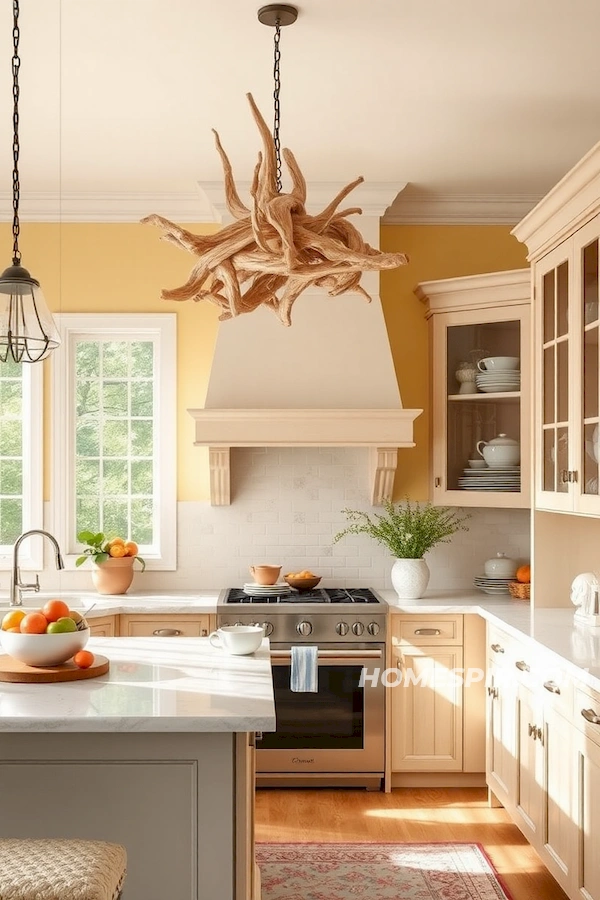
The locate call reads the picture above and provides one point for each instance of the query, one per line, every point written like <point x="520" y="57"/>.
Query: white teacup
<point x="477" y="464"/>
<point x="498" y="364"/>
<point x="238" y="640"/>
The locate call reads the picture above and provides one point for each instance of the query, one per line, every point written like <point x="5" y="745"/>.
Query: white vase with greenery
<point x="408" y="530"/>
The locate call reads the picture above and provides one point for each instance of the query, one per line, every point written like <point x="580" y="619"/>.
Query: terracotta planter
<point x="114" y="576"/>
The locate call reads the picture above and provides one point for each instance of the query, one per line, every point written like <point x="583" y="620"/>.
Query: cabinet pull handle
<point x="564" y="476"/>
<point x="437" y="482"/>
<point x="531" y="730"/>
<point x="258" y="735"/>
<point x="493" y="692"/>
<point x="573" y="476"/>
<point x="552" y="687"/>
<point x="522" y="665"/>
<point x="167" y="632"/>
<point x="434" y="631"/>
<point x="540" y="735"/>
<point x="497" y="648"/>
<point x="590" y="716"/>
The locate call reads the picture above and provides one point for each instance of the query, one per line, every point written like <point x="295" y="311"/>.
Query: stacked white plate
<point x="494" y="382"/>
<point x="492" y="478"/>
<point x="267" y="590"/>
<point x="492" y="585"/>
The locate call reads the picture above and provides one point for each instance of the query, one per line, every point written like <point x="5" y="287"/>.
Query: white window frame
<point x="161" y="328"/>
<point x="31" y="552"/>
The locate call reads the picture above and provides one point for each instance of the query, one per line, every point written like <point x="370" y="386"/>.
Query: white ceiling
<point x="470" y="99"/>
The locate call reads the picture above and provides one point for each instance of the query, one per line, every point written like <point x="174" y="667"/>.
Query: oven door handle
<point x="331" y="655"/>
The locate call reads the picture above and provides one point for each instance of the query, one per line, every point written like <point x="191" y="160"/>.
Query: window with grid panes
<point x="20" y="460"/>
<point x="117" y="384"/>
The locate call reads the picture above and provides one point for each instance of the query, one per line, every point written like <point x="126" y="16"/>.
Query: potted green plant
<point x="112" y="559"/>
<point x="408" y="530"/>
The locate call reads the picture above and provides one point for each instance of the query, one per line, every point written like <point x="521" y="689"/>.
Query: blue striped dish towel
<point x="303" y="674"/>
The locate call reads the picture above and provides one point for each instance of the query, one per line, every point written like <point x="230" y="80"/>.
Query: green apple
<point x="62" y="626"/>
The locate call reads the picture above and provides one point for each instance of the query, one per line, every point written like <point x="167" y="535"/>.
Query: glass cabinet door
<point x="587" y="374"/>
<point x="553" y="477"/>
<point x="478" y="383"/>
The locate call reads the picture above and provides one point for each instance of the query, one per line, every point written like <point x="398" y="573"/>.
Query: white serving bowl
<point x="43" y="649"/>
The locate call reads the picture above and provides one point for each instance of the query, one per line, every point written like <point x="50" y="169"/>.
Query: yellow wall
<point x="122" y="268"/>
<point x="434" y="251"/>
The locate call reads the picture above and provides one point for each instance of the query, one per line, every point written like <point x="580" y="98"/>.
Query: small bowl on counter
<point x="302" y="582"/>
<point x="43" y="649"/>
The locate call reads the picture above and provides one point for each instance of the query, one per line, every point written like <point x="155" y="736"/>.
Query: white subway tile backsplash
<point x="287" y="506"/>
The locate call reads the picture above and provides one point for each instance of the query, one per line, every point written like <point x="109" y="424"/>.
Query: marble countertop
<point x="154" y="685"/>
<point x="94" y="604"/>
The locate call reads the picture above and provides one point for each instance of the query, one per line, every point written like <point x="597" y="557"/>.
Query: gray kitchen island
<point x="158" y="755"/>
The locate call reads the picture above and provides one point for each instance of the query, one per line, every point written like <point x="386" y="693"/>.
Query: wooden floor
<point x="409" y="815"/>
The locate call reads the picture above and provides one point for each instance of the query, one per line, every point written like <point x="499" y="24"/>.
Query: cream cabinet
<point x="473" y="318"/>
<point x="103" y="626"/>
<point x="165" y="625"/>
<point x="562" y="236"/>
<point x="587" y="781"/>
<point x="530" y="754"/>
<point x="436" y="718"/>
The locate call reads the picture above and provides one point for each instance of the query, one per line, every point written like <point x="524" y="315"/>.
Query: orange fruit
<point x="12" y="620"/>
<point x="117" y="551"/>
<point x="524" y="574"/>
<point x="131" y="548"/>
<point x="55" y="610"/>
<point x="15" y="630"/>
<point x="33" y="623"/>
<point x="83" y="659"/>
<point x="115" y="541"/>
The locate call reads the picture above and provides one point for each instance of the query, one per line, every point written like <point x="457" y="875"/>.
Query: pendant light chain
<point x="277" y="115"/>
<point x="16" y="63"/>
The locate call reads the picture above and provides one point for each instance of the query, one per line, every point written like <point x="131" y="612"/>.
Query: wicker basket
<point x="519" y="590"/>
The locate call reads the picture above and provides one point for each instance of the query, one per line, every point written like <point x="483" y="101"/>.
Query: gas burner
<point x="318" y="595"/>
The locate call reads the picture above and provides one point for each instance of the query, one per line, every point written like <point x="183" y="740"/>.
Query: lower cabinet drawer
<point x="165" y="626"/>
<point x="427" y="630"/>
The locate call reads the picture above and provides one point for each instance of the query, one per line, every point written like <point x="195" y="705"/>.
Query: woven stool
<point x="61" y="869"/>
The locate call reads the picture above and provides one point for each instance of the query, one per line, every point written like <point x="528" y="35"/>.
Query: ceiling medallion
<point x="274" y="250"/>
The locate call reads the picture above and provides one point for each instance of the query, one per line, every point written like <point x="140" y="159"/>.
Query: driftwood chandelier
<point x="274" y="250"/>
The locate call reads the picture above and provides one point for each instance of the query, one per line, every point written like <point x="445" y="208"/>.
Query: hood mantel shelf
<point x="384" y="431"/>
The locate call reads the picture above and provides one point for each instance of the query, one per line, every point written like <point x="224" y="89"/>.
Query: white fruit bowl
<point x="43" y="649"/>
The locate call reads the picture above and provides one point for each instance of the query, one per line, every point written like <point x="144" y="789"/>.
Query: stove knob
<point x="268" y="627"/>
<point x="373" y="627"/>
<point x="304" y="628"/>
<point x="358" y="628"/>
<point x="238" y="623"/>
<point x="342" y="628"/>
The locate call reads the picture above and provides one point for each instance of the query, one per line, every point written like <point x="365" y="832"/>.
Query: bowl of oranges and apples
<point x="46" y="637"/>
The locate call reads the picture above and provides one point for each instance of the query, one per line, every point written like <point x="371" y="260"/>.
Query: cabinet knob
<point x="497" y="648"/>
<point x="437" y="482"/>
<point x="167" y="632"/>
<point x="522" y="665"/>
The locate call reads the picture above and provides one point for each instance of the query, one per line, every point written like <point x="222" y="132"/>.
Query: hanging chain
<point x="277" y="116"/>
<point x="16" y="62"/>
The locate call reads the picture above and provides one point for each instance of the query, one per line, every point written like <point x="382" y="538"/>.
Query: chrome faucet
<point x="16" y="585"/>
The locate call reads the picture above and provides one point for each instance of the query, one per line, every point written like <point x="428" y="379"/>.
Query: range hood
<point x="327" y="381"/>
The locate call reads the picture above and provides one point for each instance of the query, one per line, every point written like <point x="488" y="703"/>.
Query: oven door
<point x="341" y="728"/>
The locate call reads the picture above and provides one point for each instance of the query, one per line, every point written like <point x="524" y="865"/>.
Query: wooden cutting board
<point x="15" y="671"/>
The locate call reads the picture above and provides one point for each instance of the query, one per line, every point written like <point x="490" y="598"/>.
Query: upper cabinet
<point x="480" y="388"/>
<point x="562" y="234"/>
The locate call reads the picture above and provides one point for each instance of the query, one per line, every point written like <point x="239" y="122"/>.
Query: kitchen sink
<point x="36" y="601"/>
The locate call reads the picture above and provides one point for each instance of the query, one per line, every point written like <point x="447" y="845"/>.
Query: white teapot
<point x="502" y="451"/>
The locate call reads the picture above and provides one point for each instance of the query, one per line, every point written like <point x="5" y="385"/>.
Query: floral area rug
<point x="377" y="872"/>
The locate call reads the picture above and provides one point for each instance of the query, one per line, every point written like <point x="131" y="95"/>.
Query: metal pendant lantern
<point x="27" y="329"/>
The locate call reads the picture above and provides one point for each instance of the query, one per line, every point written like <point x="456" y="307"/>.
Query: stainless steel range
<point x="336" y="735"/>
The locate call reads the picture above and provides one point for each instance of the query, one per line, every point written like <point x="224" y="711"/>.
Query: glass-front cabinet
<point x="480" y="388"/>
<point x="568" y="375"/>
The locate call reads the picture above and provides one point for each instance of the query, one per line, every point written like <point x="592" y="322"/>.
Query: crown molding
<point x="105" y="206"/>
<point x="373" y="198"/>
<point x="459" y="209"/>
